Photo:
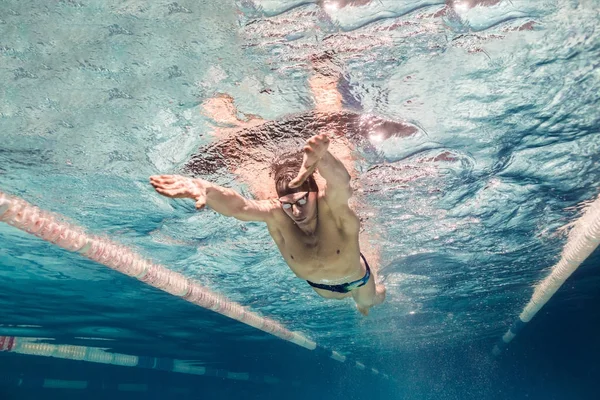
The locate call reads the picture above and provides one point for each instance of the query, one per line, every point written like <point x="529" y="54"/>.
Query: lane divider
<point x="51" y="228"/>
<point x="583" y="240"/>
<point x="39" y="347"/>
<point x="26" y="382"/>
<point x="32" y="381"/>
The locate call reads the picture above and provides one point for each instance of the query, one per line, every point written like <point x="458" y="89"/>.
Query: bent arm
<point x="317" y="156"/>
<point x="338" y="190"/>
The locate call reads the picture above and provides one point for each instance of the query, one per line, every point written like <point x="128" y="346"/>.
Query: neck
<point x="309" y="228"/>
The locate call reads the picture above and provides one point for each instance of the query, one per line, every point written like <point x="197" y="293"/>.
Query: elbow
<point x="349" y="190"/>
<point x="344" y="182"/>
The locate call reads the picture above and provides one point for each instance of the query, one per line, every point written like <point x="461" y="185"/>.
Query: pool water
<point x="474" y="138"/>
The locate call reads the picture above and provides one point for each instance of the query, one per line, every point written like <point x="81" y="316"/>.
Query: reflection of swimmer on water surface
<point x="305" y="201"/>
<point x="239" y="152"/>
<point x="245" y="144"/>
<point x="314" y="224"/>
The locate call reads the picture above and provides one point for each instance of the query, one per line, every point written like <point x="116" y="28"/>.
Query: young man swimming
<point x="315" y="230"/>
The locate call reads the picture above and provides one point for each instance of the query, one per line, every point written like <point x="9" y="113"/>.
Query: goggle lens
<point x="300" y="202"/>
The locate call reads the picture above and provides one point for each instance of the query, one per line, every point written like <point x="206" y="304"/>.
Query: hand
<point x="315" y="149"/>
<point x="177" y="186"/>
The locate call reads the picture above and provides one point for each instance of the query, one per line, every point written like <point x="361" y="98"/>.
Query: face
<point x="301" y="207"/>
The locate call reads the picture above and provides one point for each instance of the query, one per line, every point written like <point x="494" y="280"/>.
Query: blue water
<point x="469" y="211"/>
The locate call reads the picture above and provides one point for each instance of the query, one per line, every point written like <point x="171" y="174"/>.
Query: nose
<point x="296" y="211"/>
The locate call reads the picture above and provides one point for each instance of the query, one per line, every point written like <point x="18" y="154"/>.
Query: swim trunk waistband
<point x="346" y="287"/>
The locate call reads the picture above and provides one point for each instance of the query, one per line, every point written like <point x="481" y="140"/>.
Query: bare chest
<point x="329" y="253"/>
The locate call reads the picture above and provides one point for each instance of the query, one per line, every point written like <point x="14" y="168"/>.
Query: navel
<point x="338" y="251"/>
<point x="292" y="256"/>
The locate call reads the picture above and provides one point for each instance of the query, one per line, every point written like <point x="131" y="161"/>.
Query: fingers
<point x="200" y="202"/>
<point x="170" y="192"/>
<point x="163" y="178"/>
<point x="317" y="143"/>
<point x="317" y="139"/>
<point x="296" y="182"/>
<point x="169" y="185"/>
<point x="167" y="181"/>
<point x="176" y="186"/>
<point x="299" y="180"/>
<point x="160" y="177"/>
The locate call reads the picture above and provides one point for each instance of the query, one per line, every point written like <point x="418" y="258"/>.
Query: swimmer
<point x="314" y="228"/>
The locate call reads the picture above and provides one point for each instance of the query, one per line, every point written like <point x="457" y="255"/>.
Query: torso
<point x="331" y="255"/>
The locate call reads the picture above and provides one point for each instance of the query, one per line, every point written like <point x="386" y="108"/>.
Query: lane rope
<point x="52" y="228"/>
<point x="41" y="348"/>
<point x="583" y="239"/>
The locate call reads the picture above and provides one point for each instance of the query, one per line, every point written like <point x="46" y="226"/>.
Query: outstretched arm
<point x="225" y="201"/>
<point x="316" y="155"/>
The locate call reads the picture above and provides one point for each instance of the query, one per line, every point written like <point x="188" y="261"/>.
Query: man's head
<point x="300" y="203"/>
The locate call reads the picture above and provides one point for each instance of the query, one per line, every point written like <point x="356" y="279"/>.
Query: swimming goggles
<point x="301" y="201"/>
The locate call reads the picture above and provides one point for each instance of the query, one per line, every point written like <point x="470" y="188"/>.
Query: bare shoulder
<point x="337" y="195"/>
<point x="345" y="217"/>
<point x="276" y="223"/>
